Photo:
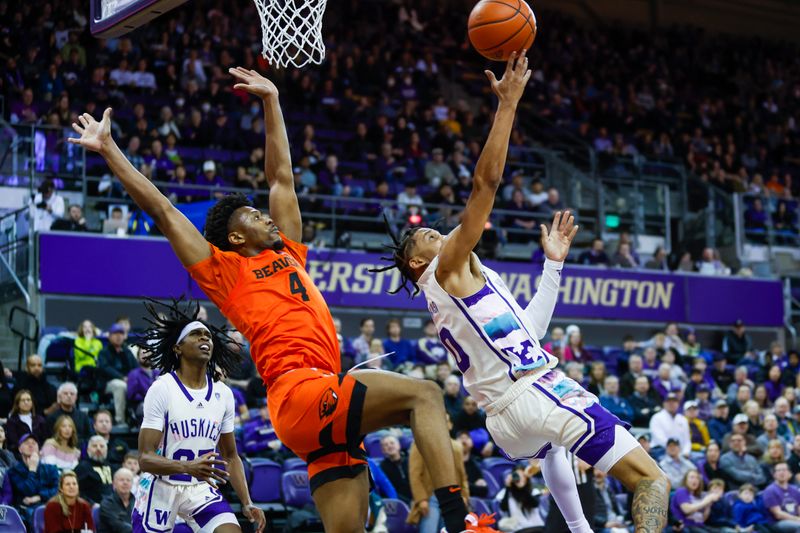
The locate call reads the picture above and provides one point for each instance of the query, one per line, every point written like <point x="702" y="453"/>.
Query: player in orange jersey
<point x="252" y="266"/>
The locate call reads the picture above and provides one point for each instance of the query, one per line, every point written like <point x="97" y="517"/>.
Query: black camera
<point x="42" y="205"/>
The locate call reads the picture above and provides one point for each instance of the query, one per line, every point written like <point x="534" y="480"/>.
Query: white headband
<point x="190" y="327"/>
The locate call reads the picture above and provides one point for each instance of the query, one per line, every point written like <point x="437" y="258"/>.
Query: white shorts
<point x="159" y="504"/>
<point x="540" y="411"/>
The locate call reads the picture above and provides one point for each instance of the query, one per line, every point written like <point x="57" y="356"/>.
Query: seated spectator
<point x="794" y="459"/>
<point x="23" y="419"/>
<point x="66" y="398"/>
<point x="74" y="220"/>
<point x="94" y="472"/>
<point x="663" y="384"/>
<point x="659" y="260"/>
<point x="410" y="202"/>
<point x="674" y="465"/>
<point x="425" y="506"/>
<point x="597" y="377"/>
<point x="615" y="404"/>
<point x="702" y="397"/>
<point x="33" y="481"/>
<point x="131" y="462"/>
<point x="690" y="505"/>
<point x="404" y="350"/>
<point x="711" y="265"/>
<point x="117" y="448"/>
<point x="741" y="427"/>
<point x="376" y="357"/>
<point x="453" y="398"/>
<point x="650" y="364"/>
<point x="670" y="424"/>
<point x="117" y="507"/>
<point x="35" y="382"/>
<point x="430" y="349"/>
<point x="470" y="417"/>
<point x="635" y="370"/>
<point x="537" y="195"/>
<point x="86" y="347"/>
<point x="437" y="171"/>
<point x="740" y="391"/>
<point x="623" y="257"/>
<point x="259" y="438"/>
<point x="783" y="221"/>
<point x="520" y="501"/>
<point x="595" y="255"/>
<point x="609" y="514"/>
<point x="782" y="500"/>
<point x="519" y="221"/>
<point x="139" y="381"/>
<point x="775" y="454"/>
<point x="755" y="218"/>
<point x="643" y="403"/>
<point x="362" y="342"/>
<point x="7" y="460"/>
<point x="710" y="469"/>
<point x="697" y="428"/>
<point x="740" y="466"/>
<point x="67" y="511"/>
<point x="61" y="450"/>
<point x="574" y="350"/>
<point x="478" y="487"/>
<point x="748" y="514"/>
<point x="395" y="466"/>
<point x="553" y="202"/>
<point x="773" y="384"/>
<point x="770" y="433"/>
<point x="442" y="371"/>
<point x="556" y="336"/>
<point x="114" y="364"/>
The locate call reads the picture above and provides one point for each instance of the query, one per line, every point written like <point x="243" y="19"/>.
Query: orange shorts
<point x="317" y="415"/>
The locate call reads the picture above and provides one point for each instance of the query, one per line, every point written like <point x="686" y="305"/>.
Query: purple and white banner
<point x="95" y="265"/>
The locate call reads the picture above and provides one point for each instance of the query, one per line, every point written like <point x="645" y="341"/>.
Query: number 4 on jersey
<point x="296" y="286"/>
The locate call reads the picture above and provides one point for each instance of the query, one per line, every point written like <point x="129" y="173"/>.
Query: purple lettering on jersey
<point x="183" y="454"/>
<point x="462" y="360"/>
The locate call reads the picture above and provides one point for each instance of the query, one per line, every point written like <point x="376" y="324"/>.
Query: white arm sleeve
<point x="230" y="413"/>
<point x="540" y="309"/>
<point x="156" y="405"/>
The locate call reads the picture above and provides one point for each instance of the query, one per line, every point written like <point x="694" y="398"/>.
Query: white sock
<point x="560" y="479"/>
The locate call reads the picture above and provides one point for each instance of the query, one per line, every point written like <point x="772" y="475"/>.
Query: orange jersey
<point x="272" y="300"/>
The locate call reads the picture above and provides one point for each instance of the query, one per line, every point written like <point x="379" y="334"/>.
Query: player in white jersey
<point x="532" y="408"/>
<point x="188" y="415"/>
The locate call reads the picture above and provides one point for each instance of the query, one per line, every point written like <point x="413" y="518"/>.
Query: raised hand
<point x="512" y="84"/>
<point x="203" y="468"/>
<point x="557" y="241"/>
<point x="94" y="135"/>
<point x="253" y="82"/>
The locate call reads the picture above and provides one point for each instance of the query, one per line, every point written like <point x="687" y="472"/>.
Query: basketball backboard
<point x="112" y="18"/>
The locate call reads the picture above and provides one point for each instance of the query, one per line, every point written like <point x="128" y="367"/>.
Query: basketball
<point x="499" y="27"/>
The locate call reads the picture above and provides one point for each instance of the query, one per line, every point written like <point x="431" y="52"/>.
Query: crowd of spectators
<point x="723" y="418"/>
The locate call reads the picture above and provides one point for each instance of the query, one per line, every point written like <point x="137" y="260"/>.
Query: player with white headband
<point x="186" y="441"/>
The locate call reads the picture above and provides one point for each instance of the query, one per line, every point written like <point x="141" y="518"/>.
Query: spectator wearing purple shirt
<point x="690" y="505"/>
<point x="663" y="384"/>
<point x="773" y="384"/>
<point x="755" y="218"/>
<point x="139" y="381"/>
<point x="783" y="500"/>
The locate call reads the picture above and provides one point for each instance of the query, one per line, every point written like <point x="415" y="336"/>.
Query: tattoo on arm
<point x="649" y="510"/>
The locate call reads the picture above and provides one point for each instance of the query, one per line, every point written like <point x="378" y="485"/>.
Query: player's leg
<point x="343" y="504"/>
<point x="206" y="510"/>
<point x="560" y="480"/>
<point x="641" y="475"/>
<point x="394" y="399"/>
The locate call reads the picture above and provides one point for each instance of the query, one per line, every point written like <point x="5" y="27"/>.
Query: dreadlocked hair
<point x="218" y="217"/>
<point x="400" y="248"/>
<point x="166" y="322"/>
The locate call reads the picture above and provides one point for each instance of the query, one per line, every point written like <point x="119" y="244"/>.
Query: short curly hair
<point x="219" y="216"/>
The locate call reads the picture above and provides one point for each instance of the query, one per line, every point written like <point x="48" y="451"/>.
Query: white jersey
<point x="493" y="340"/>
<point x="191" y="420"/>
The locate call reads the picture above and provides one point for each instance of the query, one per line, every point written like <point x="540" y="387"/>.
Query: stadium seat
<point x="396" y="515"/>
<point x="406" y="440"/>
<point x="498" y="468"/>
<point x="296" y="490"/>
<point x="11" y="521"/>
<point x="265" y="485"/>
<point x="372" y="443"/>
<point x="491" y="482"/>
<point x="294" y="464"/>
<point x="480" y="506"/>
<point x="38" y="519"/>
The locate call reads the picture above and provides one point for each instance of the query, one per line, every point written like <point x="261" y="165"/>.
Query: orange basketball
<point x="499" y="27"/>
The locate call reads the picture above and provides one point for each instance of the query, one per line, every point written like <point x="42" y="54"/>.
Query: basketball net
<point x="292" y="31"/>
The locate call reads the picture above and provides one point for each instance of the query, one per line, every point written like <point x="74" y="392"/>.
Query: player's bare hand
<point x="253" y="82"/>
<point x="204" y="469"/>
<point x="511" y="86"/>
<point x="95" y="136"/>
<point x="558" y="239"/>
<point x="256" y="516"/>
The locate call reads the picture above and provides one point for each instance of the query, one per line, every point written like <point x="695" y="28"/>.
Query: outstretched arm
<point x="189" y="245"/>
<point x="283" y="205"/>
<point x="555" y="244"/>
<point x="489" y="169"/>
